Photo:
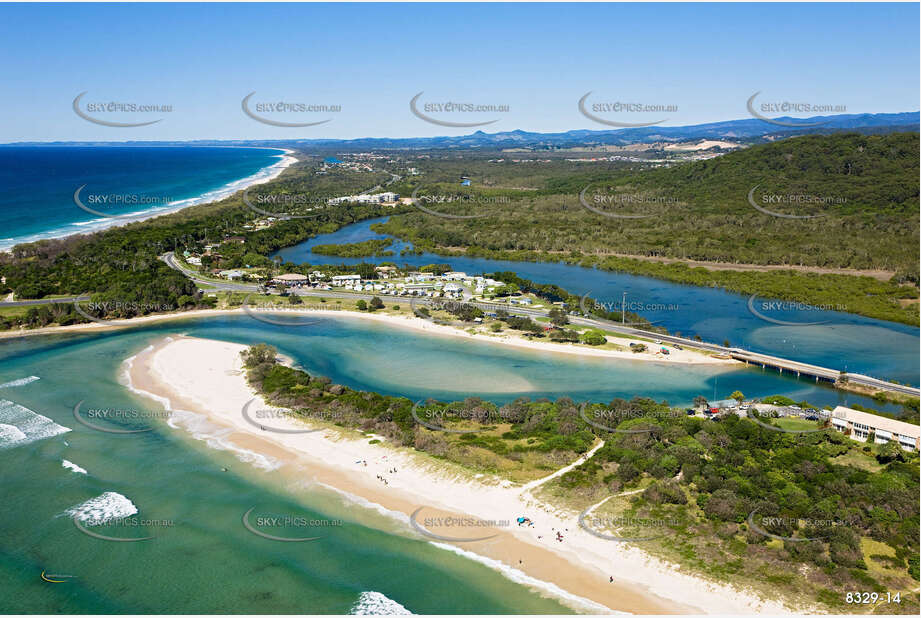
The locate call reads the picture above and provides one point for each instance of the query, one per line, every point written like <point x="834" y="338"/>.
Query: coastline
<point x="680" y="357"/>
<point x="202" y="382"/>
<point x="264" y="175"/>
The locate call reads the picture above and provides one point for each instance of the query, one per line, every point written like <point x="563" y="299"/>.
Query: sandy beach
<point x="686" y="356"/>
<point x="274" y="171"/>
<point x="202" y="381"/>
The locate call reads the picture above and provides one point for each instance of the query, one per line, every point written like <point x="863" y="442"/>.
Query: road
<point x="46" y="301"/>
<point x="765" y="360"/>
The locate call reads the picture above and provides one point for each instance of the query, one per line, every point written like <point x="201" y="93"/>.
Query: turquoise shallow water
<point x="206" y="561"/>
<point x="843" y="341"/>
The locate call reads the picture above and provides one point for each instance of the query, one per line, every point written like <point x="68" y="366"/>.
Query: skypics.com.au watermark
<point x="273" y="527"/>
<point x="456" y="524"/>
<point x="783" y="309"/>
<point x="269" y="419"/>
<point x="93" y="202"/>
<point x="615" y="113"/>
<point x="285" y="205"/>
<point x="615" y="204"/>
<point x="279" y="113"/>
<point x="434" y="202"/>
<point x="122" y="308"/>
<point x="640" y="528"/>
<point x="92" y="417"/>
<point x="608" y="419"/>
<point x="105" y="112"/>
<point x="434" y="415"/>
<point x="447" y="109"/>
<point x="589" y="306"/>
<point x="785" y="528"/>
<point x="760" y="111"/>
<point x="769" y="203"/>
<point x="122" y="530"/>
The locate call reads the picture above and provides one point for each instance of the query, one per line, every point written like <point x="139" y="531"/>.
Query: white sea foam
<point x="19" y="382"/>
<point x="10" y="433"/>
<point x="519" y="577"/>
<point x="215" y="436"/>
<point x="397" y="516"/>
<point x="372" y="603"/>
<point x="198" y="425"/>
<point x="20" y="425"/>
<point x="72" y="466"/>
<point x="576" y="602"/>
<point x="82" y="227"/>
<point x="101" y="509"/>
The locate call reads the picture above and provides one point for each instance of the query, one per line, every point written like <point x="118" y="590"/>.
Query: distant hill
<point x="749" y="130"/>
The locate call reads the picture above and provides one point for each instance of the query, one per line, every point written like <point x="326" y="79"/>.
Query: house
<point x="454" y="276"/>
<point x="859" y="425"/>
<point x="385" y="271"/>
<point x="231" y="274"/>
<point x="343" y="279"/>
<point x="194" y="260"/>
<point x="239" y="240"/>
<point x="291" y="279"/>
<point x="453" y="288"/>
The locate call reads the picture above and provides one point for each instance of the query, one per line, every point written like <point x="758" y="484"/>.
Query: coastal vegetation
<point x="703" y="215"/>
<point x="119" y="268"/>
<point x="367" y="248"/>
<point x="808" y="517"/>
<point x="861" y="191"/>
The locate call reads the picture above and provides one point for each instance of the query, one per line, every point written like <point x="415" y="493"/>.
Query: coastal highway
<point x="753" y="358"/>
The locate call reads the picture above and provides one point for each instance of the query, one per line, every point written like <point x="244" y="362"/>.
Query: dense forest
<point x="706" y="477"/>
<point x="700" y="210"/>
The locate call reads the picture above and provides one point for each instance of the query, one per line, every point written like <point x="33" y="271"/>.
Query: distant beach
<point x="203" y="380"/>
<point x="72" y="228"/>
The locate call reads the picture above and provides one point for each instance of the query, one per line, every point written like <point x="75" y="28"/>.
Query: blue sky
<point x="538" y="59"/>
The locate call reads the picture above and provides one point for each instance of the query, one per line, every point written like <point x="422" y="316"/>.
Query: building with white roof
<point x="859" y="425"/>
<point x="343" y="279"/>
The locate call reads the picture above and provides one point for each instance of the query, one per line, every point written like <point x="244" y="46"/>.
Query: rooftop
<point x="877" y="422"/>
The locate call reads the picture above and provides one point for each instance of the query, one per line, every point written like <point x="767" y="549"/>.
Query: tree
<point x="890" y="451"/>
<point x="558" y="317"/>
<point x="700" y="401"/>
<point x="259" y="354"/>
<point x="376" y="303"/>
<point x="564" y="334"/>
<point x="362" y="305"/>
<point x="737" y="395"/>
<point x="593" y="337"/>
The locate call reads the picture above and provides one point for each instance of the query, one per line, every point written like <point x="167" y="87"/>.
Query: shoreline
<point x="201" y="380"/>
<point x="264" y="175"/>
<point x="679" y="357"/>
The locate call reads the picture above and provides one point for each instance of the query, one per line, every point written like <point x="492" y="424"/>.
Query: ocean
<point x="201" y="559"/>
<point x="38" y="183"/>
